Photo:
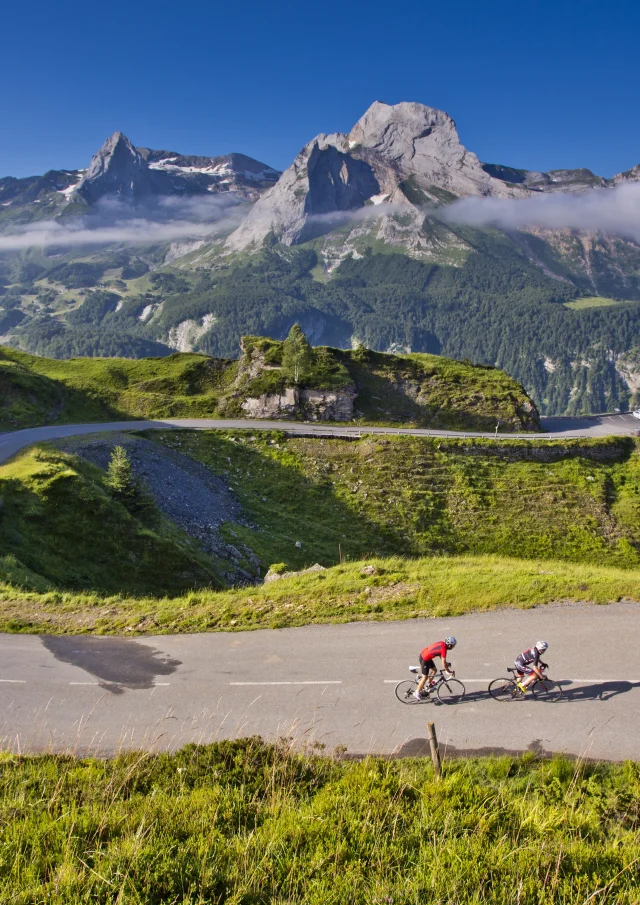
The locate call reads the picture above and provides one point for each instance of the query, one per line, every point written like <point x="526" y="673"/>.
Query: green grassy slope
<point x="446" y="393"/>
<point x="450" y="527"/>
<point x="36" y="391"/>
<point x="246" y="822"/>
<point x="399" y="588"/>
<point x="60" y="527"/>
<point x="451" y="394"/>
<point x="418" y="496"/>
<point x="466" y="525"/>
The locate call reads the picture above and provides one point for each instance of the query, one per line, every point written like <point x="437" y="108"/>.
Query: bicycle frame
<point x="518" y="676"/>
<point x="436" y="681"/>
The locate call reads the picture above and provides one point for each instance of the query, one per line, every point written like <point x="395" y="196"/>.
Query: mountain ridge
<point x="389" y="146"/>
<point x="315" y="247"/>
<point x="120" y="170"/>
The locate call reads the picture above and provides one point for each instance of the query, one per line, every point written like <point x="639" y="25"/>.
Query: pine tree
<point x="297" y="355"/>
<point x="124" y="486"/>
<point x="120" y="479"/>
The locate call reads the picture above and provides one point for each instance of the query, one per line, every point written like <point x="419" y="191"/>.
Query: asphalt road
<point x="328" y="684"/>
<point x="555" y="429"/>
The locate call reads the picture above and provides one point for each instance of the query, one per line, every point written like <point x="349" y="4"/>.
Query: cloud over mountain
<point x="114" y="221"/>
<point x="614" y="211"/>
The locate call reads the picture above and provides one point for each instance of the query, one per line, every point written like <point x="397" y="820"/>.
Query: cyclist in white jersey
<point x="527" y="665"/>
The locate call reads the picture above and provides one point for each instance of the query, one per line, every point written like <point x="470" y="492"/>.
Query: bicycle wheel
<point x="450" y="691"/>
<point x="547" y="690"/>
<point x="405" y="692"/>
<point x="504" y="690"/>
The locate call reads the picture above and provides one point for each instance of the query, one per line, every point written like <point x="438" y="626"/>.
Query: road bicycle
<point x="544" y="689"/>
<point x="447" y="689"/>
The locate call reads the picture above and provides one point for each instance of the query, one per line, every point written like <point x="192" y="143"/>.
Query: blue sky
<point x="540" y="85"/>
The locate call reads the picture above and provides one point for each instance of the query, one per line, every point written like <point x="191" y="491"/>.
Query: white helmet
<point x="450" y="641"/>
<point x="541" y="645"/>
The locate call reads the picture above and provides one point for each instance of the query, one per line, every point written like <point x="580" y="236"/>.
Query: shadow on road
<point x="470" y="697"/>
<point x="420" y="747"/>
<point x="117" y="662"/>
<point x="600" y="691"/>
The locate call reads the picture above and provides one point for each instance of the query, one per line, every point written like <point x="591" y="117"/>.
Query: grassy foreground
<point x="250" y="824"/>
<point x="399" y="589"/>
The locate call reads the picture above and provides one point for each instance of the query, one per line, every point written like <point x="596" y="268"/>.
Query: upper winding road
<point x="554" y="429"/>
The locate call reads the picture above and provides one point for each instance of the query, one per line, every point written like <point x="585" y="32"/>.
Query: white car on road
<point x="636" y="414"/>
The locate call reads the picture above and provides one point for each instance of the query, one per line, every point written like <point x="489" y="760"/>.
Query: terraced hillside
<point x="296" y="502"/>
<point x="410" y="496"/>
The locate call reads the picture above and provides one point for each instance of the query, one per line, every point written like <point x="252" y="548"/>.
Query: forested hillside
<point x="494" y="308"/>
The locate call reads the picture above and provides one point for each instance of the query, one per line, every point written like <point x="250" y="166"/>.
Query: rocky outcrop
<point x="302" y="402"/>
<point x="308" y="404"/>
<point x="274" y="574"/>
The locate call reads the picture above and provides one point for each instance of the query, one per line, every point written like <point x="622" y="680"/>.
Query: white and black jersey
<point x="527" y="658"/>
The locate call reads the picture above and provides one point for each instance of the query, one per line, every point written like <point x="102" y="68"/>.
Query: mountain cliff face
<point x="117" y="168"/>
<point x="401" y="157"/>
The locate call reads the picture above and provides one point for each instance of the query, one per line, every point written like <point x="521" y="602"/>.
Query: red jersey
<point x="439" y="649"/>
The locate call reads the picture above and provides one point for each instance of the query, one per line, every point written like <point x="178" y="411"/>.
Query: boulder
<point x="276" y="576"/>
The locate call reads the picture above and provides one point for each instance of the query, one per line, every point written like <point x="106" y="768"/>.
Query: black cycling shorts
<point x="426" y="666"/>
<point x="525" y="669"/>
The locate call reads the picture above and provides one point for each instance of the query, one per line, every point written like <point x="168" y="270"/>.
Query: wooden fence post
<point x="435" y="751"/>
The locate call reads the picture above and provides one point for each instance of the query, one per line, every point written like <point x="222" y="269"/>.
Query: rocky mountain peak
<point x="116" y="168"/>
<point x="394" y="130"/>
<point x="388" y="148"/>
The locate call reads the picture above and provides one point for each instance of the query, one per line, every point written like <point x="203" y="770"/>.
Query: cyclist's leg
<point x="423" y="677"/>
<point x="426" y="667"/>
<point x="526" y="678"/>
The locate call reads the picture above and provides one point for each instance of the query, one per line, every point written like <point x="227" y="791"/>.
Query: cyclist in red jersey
<point x="428" y="667"/>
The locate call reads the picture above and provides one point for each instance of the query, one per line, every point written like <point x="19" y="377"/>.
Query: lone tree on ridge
<point x="297" y="355"/>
